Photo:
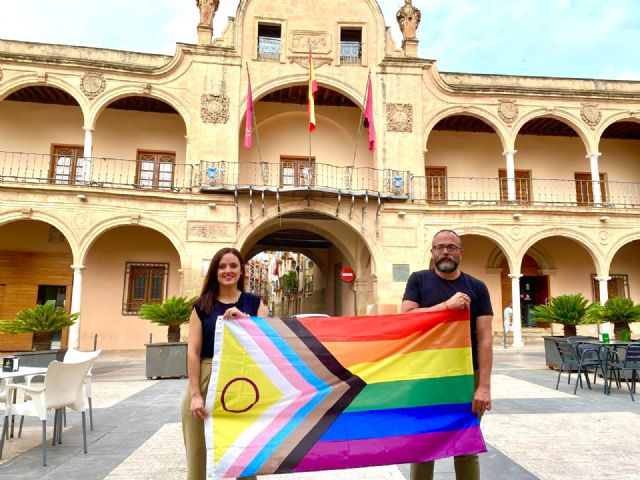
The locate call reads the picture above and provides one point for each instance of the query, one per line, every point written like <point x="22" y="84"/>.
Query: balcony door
<point x="67" y="164"/>
<point x="297" y="171"/>
<point x="522" y="183"/>
<point x="584" y="188"/>
<point x="155" y="170"/>
<point x="436" y="183"/>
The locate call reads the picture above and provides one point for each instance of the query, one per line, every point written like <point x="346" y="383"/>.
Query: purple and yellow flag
<point x="295" y="395"/>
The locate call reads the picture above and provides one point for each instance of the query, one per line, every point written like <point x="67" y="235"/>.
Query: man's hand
<point x="458" y="302"/>
<point x="481" y="400"/>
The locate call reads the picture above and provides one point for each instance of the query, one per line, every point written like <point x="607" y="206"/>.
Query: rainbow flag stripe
<point x="294" y="395"/>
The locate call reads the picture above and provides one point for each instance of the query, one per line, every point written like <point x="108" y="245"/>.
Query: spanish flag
<point x="313" y="88"/>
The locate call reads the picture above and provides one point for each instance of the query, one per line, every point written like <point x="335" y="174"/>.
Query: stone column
<point x="88" y="153"/>
<point x="76" y="296"/>
<point x="517" y="313"/>
<point x="511" y="174"/>
<point x="595" y="177"/>
<point x="603" y="286"/>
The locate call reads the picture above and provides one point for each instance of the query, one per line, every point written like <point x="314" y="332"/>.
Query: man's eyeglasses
<point x="450" y="248"/>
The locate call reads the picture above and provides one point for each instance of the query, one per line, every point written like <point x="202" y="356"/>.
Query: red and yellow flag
<point x="313" y="88"/>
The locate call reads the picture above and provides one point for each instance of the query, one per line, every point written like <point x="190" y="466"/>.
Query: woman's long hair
<point x="211" y="287"/>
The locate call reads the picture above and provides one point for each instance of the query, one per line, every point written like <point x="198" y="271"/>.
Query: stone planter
<point x="166" y="360"/>
<point x="551" y="354"/>
<point x="41" y="358"/>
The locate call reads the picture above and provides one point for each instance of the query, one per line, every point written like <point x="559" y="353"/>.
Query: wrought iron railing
<point x="268" y="49"/>
<point x="22" y="167"/>
<point x="524" y="191"/>
<point x="304" y="176"/>
<point x="351" y="53"/>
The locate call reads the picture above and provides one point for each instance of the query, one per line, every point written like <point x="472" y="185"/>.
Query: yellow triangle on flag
<point x="243" y="394"/>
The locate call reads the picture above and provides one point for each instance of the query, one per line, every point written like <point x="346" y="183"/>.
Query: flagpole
<point x="253" y="114"/>
<point x="360" y="125"/>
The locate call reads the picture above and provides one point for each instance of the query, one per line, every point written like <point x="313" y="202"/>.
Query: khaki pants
<point x="467" y="466"/>
<point x="193" y="429"/>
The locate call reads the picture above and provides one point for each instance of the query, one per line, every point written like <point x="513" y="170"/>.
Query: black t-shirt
<point x="247" y="303"/>
<point x="427" y="289"/>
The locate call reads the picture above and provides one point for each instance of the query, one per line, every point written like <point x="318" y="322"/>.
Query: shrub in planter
<point x="42" y="321"/>
<point x="173" y="313"/>
<point x="568" y="310"/>
<point x="620" y="312"/>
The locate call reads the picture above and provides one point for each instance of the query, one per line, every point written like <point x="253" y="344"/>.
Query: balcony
<point x="526" y="191"/>
<point x="97" y="172"/>
<point x="350" y="53"/>
<point x="304" y="176"/>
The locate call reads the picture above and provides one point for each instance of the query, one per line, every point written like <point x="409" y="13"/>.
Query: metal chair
<point x="631" y="362"/>
<point x="579" y="359"/>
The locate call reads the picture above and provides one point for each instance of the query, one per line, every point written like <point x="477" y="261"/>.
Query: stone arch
<point x="562" y="116"/>
<point x="304" y="251"/>
<point x="50" y="219"/>
<point x="476" y="112"/>
<point x="251" y="232"/>
<point x="51" y="81"/>
<point x="537" y="252"/>
<point x="581" y="238"/>
<point x="264" y="89"/>
<point x="606" y="123"/>
<point x="108" y="97"/>
<point x="99" y="229"/>
<point x="615" y="248"/>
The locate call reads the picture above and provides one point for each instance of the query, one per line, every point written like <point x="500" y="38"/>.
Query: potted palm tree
<point x="568" y="310"/>
<point x="168" y="359"/>
<point x="620" y="312"/>
<point x="42" y="321"/>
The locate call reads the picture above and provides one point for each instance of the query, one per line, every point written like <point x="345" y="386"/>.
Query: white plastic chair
<point x="63" y="387"/>
<point x="73" y="356"/>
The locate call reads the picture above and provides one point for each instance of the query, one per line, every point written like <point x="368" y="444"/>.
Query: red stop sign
<point x="347" y="275"/>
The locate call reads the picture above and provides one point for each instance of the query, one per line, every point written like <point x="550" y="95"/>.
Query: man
<point x="448" y="288"/>
<point x="507" y="317"/>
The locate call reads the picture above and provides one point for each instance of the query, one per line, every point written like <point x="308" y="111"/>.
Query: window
<point x="269" y="36"/>
<point x="351" y="46"/>
<point x="297" y="171"/>
<point x="617" y="286"/>
<point x="523" y="186"/>
<point x="67" y="164"/>
<point x="436" y="184"/>
<point x="155" y="170"/>
<point x="144" y="283"/>
<point x="584" y="188"/>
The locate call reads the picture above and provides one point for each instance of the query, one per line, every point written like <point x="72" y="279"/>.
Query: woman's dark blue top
<point x="247" y="303"/>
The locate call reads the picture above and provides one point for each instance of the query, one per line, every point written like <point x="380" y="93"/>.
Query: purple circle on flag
<point x="226" y="387"/>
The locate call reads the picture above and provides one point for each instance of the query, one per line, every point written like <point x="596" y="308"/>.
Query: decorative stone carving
<point x="146" y="89"/>
<point x="604" y="237"/>
<point x="516" y="233"/>
<point x="214" y="108"/>
<point x="591" y="114"/>
<point x="26" y="212"/>
<point x="81" y="220"/>
<point x="206" y="231"/>
<point x="135" y="219"/>
<point x="507" y="110"/>
<point x="303" y="61"/>
<point x="399" y="117"/>
<point x="55" y="235"/>
<point x="302" y="40"/>
<point x="408" y="18"/>
<point x="208" y="8"/>
<point x="92" y="84"/>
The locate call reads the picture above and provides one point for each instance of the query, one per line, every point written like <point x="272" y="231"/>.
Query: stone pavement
<point x="532" y="432"/>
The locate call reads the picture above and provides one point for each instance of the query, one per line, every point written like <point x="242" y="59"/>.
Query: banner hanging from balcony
<point x="295" y="395"/>
<point x="368" y="114"/>
<point x="313" y="88"/>
<point x="248" y="121"/>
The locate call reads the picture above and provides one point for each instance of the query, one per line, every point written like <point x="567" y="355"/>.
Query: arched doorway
<point x="318" y="246"/>
<point x="35" y="267"/>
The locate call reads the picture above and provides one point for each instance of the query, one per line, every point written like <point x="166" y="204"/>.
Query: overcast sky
<point x="564" y="38"/>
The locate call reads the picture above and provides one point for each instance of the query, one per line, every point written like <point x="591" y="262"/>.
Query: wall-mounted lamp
<point x="212" y="205"/>
<point x="402" y="213"/>
<point x="604" y="218"/>
<point x="517" y="216"/>
<point x="81" y="197"/>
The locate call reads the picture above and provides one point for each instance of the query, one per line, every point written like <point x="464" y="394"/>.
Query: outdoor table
<point x="607" y="350"/>
<point x="8" y="377"/>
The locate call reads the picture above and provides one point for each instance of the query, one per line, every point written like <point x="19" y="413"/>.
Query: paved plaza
<point x="532" y="432"/>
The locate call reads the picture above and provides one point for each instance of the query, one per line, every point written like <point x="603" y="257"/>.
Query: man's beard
<point x="447" y="265"/>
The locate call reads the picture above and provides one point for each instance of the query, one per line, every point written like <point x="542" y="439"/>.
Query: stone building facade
<point x="122" y="173"/>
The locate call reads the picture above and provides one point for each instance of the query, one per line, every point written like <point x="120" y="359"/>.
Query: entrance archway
<point x="330" y="245"/>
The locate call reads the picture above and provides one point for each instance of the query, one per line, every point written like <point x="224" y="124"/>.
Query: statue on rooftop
<point x="408" y="19"/>
<point x="208" y="8"/>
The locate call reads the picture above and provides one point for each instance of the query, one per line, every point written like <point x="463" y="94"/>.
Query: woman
<point x="222" y="295"/>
